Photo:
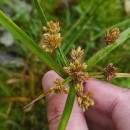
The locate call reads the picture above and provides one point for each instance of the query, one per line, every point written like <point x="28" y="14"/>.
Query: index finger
<point x="108" y="99"/>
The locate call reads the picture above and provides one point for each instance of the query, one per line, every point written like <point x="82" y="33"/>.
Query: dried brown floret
<point x="51" y="41"/>
<point x="81" y="76"/>
<point x="76" y="54"/>
<point x="59" y="87"/>
<point x="110" y="71"/>
<point x="75" y="66"/>
<point x="79" y="88"/>
<point x="111" y="35"/>
<point x="85" y="101"/>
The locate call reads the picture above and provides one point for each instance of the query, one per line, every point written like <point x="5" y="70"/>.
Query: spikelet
<point x="85" y="101"/>
<point x="110" y="71"/>
<point x="77" y="54"/>
<point x="59" y="87"/>
<point x="111" y="35"/>
<point x="52" y="38"/>
<point x="51" y="41"/>
<point x="75" y="67"/>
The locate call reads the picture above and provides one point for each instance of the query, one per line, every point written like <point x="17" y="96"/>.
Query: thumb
<point x="55" y="106"/>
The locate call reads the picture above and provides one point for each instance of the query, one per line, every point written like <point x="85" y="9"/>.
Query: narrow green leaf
<point x="26" y="40"/>
<point x="107" y="49"/>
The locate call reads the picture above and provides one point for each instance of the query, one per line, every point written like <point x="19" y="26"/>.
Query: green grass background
<point x="24" y="80"/>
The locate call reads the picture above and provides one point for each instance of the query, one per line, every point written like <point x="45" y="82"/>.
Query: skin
<point x="110" y="112"/>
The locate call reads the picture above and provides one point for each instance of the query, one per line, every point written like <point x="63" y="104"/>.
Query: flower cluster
<point x="109" y="71"/>
<point x="75" y="68"/>
<point x="77" y="54"/>
<point x="59" y="87"/>
<point x="52" y="38"/>
<point x="85" y="101"/>
<point x="111" y="35"/>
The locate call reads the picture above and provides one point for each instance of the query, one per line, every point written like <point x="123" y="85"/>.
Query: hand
<point x="110" y="112"/>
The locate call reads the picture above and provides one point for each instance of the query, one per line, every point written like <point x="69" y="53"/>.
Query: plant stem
<point x="64" y="59"/>
<point x="96" y="75"/>
<point x="68" y="107"/>
<point x="122" y="75"/>
<point x="117" y="75"/>
<point x="40" y="12"/>
<point x="107" y="49"/>
<point x="65" y="81"/>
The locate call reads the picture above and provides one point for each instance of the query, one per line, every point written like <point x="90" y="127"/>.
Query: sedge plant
<point x="74" y="71"/>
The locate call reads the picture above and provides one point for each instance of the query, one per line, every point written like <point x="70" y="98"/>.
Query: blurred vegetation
<point x="21" y="71"/>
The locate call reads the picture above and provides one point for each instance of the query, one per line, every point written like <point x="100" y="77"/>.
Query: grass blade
<point x="28" y="42"/>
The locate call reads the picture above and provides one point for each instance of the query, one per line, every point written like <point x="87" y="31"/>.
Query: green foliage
<point x="77" y="31"/>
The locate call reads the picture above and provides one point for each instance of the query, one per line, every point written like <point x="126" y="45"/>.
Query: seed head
<point x="111" y="35"/>
<point x="110" y="71"/>
<point x="75" y="66"/>
<point x="51" y="41"/>
<point x="52" y="27"/>
<point x="79" y="88"/>
<point x="59" y="87"/>
<point x="85" y="101"/>
<point x="52" y="38"/>
<point x="81" y="76"/>
<point x="76" y="54"/>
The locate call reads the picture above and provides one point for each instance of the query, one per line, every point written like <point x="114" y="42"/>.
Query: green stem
<point x="68" y="107"/>
<point x="117" y="75"/>
<point x="67" y="80"/>
<point x="28" y="42"/>
<point x="64" y="59"/>
<point x="58" y="58"/>
<point x="96" y="75"/>
<point x="40" y="12"/>
<point x="107" y="49"/>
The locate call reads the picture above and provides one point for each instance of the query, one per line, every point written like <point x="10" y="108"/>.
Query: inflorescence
<point x="51" y="40"/>
<point x="111" y="35"/>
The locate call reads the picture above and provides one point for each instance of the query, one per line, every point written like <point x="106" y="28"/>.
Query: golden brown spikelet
<point x="85" y="101"/>
<point x="76" y="54"/>
<point x="51" y="41"/>
<point x="52" y="38"/>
